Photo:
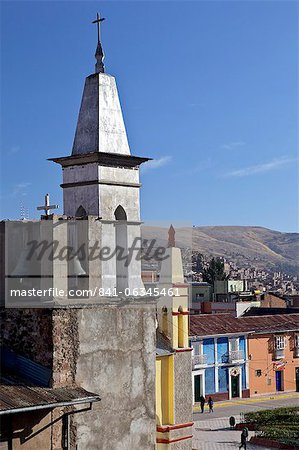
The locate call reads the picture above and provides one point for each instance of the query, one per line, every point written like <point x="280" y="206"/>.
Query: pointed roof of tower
<point x="171" y="236"/>
<point x="100" y="133"/>
<point x="100" y="126"/>
<point x="172" y="265"/>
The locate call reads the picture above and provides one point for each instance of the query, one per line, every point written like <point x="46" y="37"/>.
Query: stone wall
<point x="183" y="387"/>
<point x="28" y="332"/>
<point x="65" y="346"/>
<point x="108" y="349"/>
<point x="117" y="361"/>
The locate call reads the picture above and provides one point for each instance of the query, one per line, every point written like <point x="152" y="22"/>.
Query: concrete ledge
<point x="269" y="443"/>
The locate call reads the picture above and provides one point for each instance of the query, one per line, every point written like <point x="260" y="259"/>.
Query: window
<point x="210" y="380"/>
<point x="222" y="350"/>
<point x="258" y="372"/>
<point x="280" y="342"/>
<point x="297" y="341"/>
<point x="242" y="346"/>
<point x="81" y="213"/>
<point x="223" y="379"/>
<point x="234" y="344"/>
<point x="196" y="348"/>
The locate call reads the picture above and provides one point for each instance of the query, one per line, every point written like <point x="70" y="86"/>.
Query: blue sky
<point x="208" y="89"/>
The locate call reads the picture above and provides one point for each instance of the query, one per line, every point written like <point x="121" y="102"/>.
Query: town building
<point x="273" y="353"/>
<point x="272" y="300"/>
<point x="220" y="366"/>
<point x="200" y="291"/>
<point x="227" y="290"/>
<point x="244" y="356"/>
<point x="173" y="361"/>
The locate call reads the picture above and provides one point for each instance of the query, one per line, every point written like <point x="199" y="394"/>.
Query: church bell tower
<point x="101" y="177"/>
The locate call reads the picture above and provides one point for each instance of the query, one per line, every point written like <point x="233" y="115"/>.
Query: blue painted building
<point x="220" y="366"/>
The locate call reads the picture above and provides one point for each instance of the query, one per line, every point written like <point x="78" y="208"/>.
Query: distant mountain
<point x="246" y="246"/>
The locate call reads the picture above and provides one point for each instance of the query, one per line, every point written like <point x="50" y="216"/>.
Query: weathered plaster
<point x="100" y="124"/>
<point x="117" y="361"/>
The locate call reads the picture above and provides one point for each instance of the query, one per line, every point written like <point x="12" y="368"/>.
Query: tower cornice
<point x="105" y="159"/>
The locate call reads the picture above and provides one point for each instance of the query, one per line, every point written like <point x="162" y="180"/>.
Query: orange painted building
<point x="274" y="361"/>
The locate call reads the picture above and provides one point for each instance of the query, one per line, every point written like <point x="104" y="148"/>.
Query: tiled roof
<point x="220" y="324"/>
<point x="22" y="398"/>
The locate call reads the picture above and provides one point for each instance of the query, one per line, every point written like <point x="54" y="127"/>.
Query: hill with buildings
<point x="246" y="246"/>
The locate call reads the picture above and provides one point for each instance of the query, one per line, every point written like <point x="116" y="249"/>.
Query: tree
<point x="197" y="262"/>
<point x="214" y="270"/>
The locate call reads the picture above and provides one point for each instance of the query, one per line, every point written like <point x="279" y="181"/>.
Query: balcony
<point x="199" y="360"/>
<point x="236" y="355"/>
<point x="233" y="356"/>
<point x="278" y="353"/>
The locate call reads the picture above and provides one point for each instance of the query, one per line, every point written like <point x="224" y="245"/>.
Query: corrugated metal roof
<point x="22" y="398"/>
<point x="163" y="346"/>
<point x="217" y="324"/>
<point x="25" y="368"/>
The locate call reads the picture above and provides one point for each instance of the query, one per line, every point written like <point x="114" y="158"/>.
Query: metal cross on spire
<point x="47" y="207"/>
<point x="98" y="22"/>
<point x="99" y="51"/>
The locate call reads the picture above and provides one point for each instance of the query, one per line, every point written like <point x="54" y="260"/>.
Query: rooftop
<point x="163" y="346"/>
<point x="266" y="311"/>
<point x="18" y="398"/>
<point x="220" y="324"/>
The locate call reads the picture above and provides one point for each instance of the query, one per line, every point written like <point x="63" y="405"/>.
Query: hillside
<point x="244" y="245"/>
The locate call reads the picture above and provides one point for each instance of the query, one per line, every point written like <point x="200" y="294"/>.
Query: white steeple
<point x="100" y="126"/>
<point x="101" y="179"/>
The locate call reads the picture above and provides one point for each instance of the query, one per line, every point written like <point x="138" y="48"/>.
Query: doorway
<point x="197" y="388"/>
<point x="297" y="378"/>
<point x="279" y="380"/>
<point x="235" y="386"/>
<point x="198" y="385"/>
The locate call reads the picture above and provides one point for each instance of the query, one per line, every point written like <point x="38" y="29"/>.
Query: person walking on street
<point x="202" y="403"/>
<point x="211" y="404"/>
<point x="244" y="436"/>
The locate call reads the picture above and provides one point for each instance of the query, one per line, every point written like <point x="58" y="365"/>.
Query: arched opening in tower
<point x="121" y="243"/>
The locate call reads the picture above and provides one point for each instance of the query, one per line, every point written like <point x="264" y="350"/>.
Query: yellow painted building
<point x="173" y="356"/>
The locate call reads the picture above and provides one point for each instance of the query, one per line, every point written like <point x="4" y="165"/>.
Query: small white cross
<point x="47" y="207"/>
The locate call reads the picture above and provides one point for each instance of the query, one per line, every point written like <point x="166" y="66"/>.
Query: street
<point x="212" y="432"/>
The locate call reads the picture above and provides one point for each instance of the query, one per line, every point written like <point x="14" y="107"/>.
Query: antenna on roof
<point x="24" y="212"/>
